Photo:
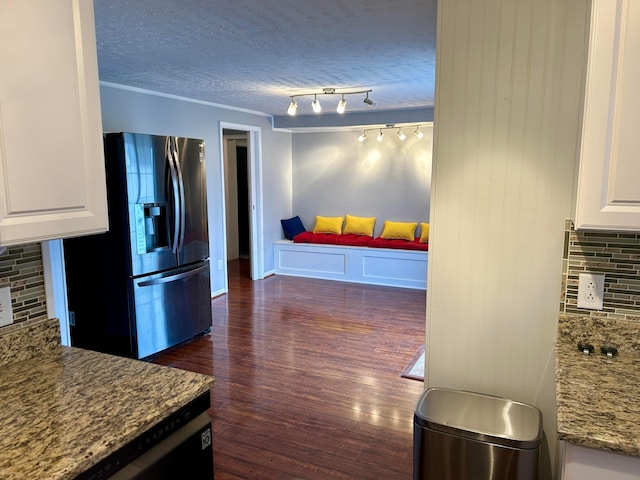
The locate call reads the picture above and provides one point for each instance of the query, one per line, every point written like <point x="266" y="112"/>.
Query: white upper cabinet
<point x="609" y="181"/>
<point x="52" y="176"/>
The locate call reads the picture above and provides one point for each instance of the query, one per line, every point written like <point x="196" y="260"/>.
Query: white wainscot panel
<point x="320" y="262"/>
<point x="386" y="268"/>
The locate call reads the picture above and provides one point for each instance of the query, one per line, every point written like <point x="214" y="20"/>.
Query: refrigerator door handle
<point x="169" y="143"/>
<point x="173" y="278"/>
<point x="176" y="160"/>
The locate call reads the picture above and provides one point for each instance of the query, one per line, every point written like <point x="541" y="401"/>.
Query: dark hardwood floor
<point x="308" y="381"/>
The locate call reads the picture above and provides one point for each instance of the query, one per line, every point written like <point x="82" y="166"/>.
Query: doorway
<point x="236" y="189"/>
<point x="242" y="196"/>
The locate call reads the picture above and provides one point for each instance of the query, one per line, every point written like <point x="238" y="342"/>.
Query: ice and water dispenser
<point x="152" y="231"/>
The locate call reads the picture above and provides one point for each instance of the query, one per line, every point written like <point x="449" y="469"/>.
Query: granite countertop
<point x="597" y="396"/>
<point x="65" y="409"/>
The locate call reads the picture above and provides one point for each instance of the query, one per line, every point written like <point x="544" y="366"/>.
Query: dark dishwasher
<point x="177" y="446"/>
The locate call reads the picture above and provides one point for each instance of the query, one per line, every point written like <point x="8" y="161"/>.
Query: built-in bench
<point x="377" y="266"/>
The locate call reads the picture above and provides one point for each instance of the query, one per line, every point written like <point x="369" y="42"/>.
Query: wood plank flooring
<point x="308" y="381"/>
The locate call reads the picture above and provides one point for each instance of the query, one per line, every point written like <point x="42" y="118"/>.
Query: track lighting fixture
<point x="400" y="134"/>
<point x="315" y="104"/>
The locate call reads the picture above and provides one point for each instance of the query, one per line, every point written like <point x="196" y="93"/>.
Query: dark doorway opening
<point x="242" y="175"/>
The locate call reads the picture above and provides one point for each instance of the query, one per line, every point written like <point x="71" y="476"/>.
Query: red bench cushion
<point x="333" y="239"/>
<point x="414" y="244"/>
<point x="359" y="241"/>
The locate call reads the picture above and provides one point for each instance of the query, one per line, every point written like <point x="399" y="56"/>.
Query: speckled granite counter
<point x="597" y="397"/>
<point x="65" y="409"/>
<point x="25" y="340"/>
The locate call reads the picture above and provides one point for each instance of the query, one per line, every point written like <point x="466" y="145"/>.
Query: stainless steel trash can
<point x="459" y="435"/>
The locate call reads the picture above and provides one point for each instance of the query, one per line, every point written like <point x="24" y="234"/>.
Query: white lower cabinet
<point x="52" y="177"/>
<point x="581" y="463"/>
<point x="608" y="185"/>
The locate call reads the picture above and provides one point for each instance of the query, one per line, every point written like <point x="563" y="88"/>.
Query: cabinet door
<point x="52" y="178"/>
<point x="609" y="182"/>
<point x="581" y="463"/>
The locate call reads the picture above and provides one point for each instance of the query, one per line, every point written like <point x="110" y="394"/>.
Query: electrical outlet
<point x="6" y="311"/>
<point x="590" y="291"/>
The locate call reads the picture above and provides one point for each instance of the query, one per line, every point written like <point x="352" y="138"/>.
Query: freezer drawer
<point x="171" y="307"/>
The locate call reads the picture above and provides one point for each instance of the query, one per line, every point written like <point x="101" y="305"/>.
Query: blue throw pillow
<point x="292" y="227"/>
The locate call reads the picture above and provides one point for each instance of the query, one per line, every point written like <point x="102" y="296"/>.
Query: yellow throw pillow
<point x="328" y="224"/>
<point x="401" y="230"/>
<point x="359" y="225"/>
<point x="424" y="232"/>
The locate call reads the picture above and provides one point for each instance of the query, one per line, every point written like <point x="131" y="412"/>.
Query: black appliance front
<point x="186" y="453"/>
<point x="143" y="286"/>
<point x="180" y="446"/>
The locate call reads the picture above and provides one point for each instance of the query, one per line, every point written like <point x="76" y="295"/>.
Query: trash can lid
<point x="480" y="417"/>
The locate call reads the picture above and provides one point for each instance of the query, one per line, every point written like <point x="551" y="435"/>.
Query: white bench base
<point x="376" y="266"/>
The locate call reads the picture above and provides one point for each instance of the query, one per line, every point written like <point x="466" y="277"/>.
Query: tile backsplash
<point x="614" y="254"/>
<point x="21" y="268"/>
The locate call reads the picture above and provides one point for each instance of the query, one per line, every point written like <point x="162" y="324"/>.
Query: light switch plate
<point x="6" y="311"/>
<point x="590" y="290"/>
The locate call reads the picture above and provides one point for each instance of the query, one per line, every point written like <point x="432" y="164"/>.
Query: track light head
<point x="368" y="101"/>
<point x="316" y="105"/>
<point x="401" y="135"/>
<point x="293" y="106"/>
<point x="380" y="135"/>
<point x="342" y="105"/>
<point x="418" y="133"/>
<point x="362" y="137"/>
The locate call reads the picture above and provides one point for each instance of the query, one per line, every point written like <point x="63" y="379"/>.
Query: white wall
<point x="508" y="100"/>
<point x="143" y="112"/>
<point x="334" y="175"/>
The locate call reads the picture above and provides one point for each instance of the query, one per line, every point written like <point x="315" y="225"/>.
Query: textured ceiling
<point x="253" y="54"/>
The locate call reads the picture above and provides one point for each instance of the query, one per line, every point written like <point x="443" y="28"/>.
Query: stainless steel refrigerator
<point x="144" y="286"/>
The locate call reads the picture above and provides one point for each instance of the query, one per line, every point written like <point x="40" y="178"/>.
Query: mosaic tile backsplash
<point x="617" y="256"/>
<point x="21" y="268"/>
